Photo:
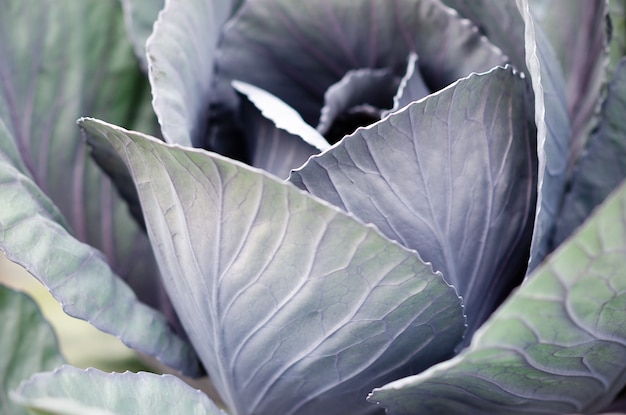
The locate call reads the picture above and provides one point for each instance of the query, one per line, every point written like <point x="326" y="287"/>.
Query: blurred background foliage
<point x="81" y="343"/>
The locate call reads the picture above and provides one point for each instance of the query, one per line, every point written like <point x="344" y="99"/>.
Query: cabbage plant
<point x="338" y="207"/>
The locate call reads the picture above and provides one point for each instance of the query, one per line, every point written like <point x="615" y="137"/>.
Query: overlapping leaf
<point x="140" y="17"/>
<point x="294" y="306"/>
<point x="62" y="59"/>
<point x="412" y="86"/>
<point x="553" y="133"/>
<point x="500" y="21"/>
<point x="296" y="50"/>
<point x="577" y="29"/>
<point x="371" y="90"/>
<point x="528" y="48"/>
<point x="34" y="236"/>
<point x="72" y="391"/>
<point x="28" y="345"/>
<point x="603" y="167"/>
<point x="275" y="147"/>
<point x="181" y="57"/>
<point x="452" y="176"/>
<point x="281" y="114"/>
<point x="45" y="89"/>
<point x="558" y="345"/>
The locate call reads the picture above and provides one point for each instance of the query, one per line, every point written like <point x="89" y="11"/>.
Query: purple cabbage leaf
<point x="342" y="207"/>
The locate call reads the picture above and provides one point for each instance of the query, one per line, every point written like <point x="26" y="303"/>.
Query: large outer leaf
<point x="28" y="345"/>
<point x="558" y="345"/>
<point x="63" y="59"/>
<point x="294" y="306"/>
<point x="577" y="29"/>
<point x="72" y="391"/>
<point x="452" y="176"/>
<point x="553" y="133"/>
<point x="296" y="50"/>
<point x="603" y="166"/>
<point x="45" y="87"/>
<point x="77" y="274"/>
<point x="181" y="55"/>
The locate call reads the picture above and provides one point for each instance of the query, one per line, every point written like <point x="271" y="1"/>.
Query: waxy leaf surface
<point x="557" y="346"/>
<point x="578" y="31"/>
<point x="294" y="306"/>
<point x="553" y="133"/>
<point x="452" y="177"/>
<point x="528" y="48"/>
